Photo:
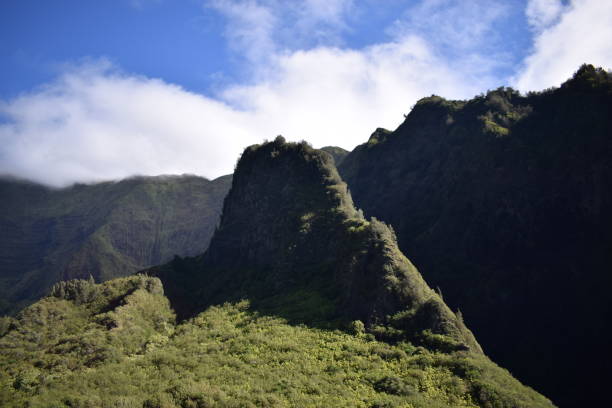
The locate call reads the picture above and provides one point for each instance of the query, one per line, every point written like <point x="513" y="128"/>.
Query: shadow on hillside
<point x="191" y="290"/>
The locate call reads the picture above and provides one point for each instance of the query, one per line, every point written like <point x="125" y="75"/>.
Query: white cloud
<point x="96" y="123"/>
<point x="334" y="96"/>
<point x="458" y="25"/>
<point x="260" y="29"/>
<point x="331" y="11"/>
<point x="464" y="34"/>
<point x="250" y="28"/>
<point x="542" y="13"/>
<point x="581" y="34"/>
<point x="321" y="20"/>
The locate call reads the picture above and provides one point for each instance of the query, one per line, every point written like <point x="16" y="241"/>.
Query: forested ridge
<point x="105" y="230"/>
<point x="313" y="305"/>
<point x="504" y="203"/>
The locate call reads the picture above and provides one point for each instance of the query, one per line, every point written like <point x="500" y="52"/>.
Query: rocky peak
<point x="289" y="230"/>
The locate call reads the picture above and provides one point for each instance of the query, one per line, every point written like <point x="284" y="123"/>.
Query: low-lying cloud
<point x="95" y="122"/>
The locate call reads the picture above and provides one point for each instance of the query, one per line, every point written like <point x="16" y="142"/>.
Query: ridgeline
<point x="299" y="301"/>
<point x="505" y="203"/>
<point x="103" y="230"/>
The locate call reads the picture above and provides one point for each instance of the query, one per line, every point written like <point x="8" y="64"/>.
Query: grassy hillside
<point x="104" y="230"/>
<point x="504" y="202"/>
<point x="291" y="242"/>
<point x="117" y="344"/>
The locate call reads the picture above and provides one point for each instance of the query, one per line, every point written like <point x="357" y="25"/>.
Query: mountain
<point x="337" y="153"/>
<point x="505" y="203"/>
<point x="298" y="301"/>
<point x="289" y="233"/>
<point x="105" y="230"/>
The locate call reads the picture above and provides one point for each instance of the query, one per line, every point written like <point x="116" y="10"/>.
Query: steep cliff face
<point x="504" y="202"/>
<point x="290" y="233"/>
<point x="105" y="230"/>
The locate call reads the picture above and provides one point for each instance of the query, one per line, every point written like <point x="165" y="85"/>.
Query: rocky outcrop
<point x="289" y="227"/>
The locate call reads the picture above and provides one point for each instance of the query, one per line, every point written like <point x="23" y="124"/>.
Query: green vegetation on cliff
<point x="505" y="203"/>
<point x="289" y="231"/>
<point x="105" y="230"/>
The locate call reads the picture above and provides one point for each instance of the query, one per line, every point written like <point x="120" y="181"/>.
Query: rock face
<point x="505" y="203"/>
<point x="104" y="230"/>
<point x="289" y="230"/>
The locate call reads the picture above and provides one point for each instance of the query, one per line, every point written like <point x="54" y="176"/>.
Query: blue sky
<point x="187" y="42"/>
<point x="179" y="41"/>
<point x="98" y="90"/>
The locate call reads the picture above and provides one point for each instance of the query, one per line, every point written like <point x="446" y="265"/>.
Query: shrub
<point x="395" y="386"/>
<point x="357" y="328"/>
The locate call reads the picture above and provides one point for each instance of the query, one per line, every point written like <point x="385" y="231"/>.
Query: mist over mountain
<point x="504" y="202"/>
<point x="105" y="230"/>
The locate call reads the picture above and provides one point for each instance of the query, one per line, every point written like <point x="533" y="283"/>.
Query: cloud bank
<point x="95" y="122"/>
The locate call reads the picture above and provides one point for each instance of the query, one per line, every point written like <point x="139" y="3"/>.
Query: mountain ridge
<point x="503" y="201"/>
<point x="105" y="230"/>
<point x="289" y="223"/>
<point x="307" y="305"/>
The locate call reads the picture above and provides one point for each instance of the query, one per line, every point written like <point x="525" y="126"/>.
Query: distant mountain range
<point x="105" y="230"/>
<point x="337" y="153"/>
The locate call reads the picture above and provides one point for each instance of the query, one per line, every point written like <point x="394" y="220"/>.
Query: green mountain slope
<point x="504" y="202"/>
<point x="104" y="230"/>
<point x="299" y="301"/>
<point x="336" y="152"/>
<point x="289" y="233"/>
<point x="116" y="344"/>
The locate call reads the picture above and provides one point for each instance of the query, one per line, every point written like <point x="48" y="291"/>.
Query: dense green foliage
<point x="505" y="203"/>
<point x="289" y="229"/>
<point x="291" y="242"/>
<point x="117" y="345"/>
<point x="104" y="230"/>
